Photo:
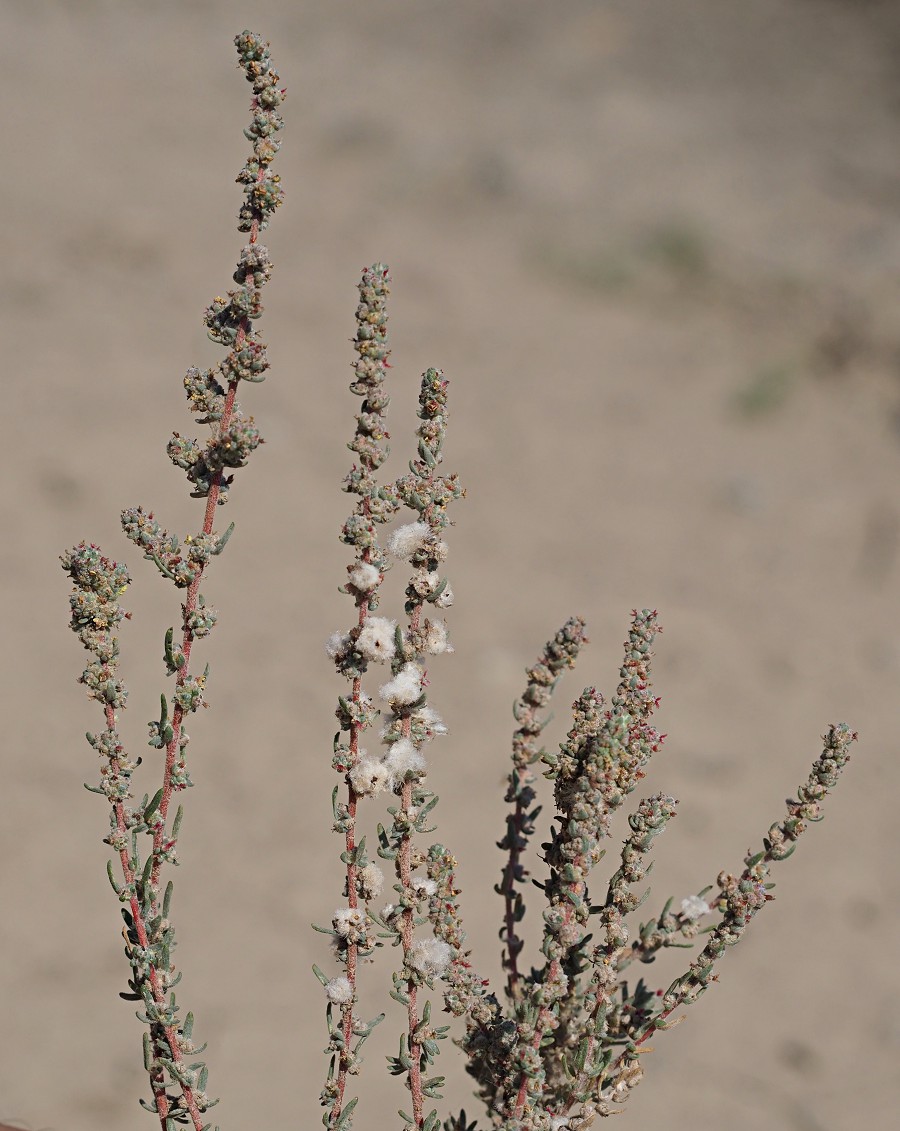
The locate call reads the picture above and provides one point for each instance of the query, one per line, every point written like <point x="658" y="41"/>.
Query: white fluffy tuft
<point x="693" y="907"/>
<point x="405" y="687"/>
<point x="430" y="957"/>
<point x="363" y="576"/>
<point x="436" y="639"/>
<point x="339" y="991"/>
<point x="403" y="758"/>
<point x="407" y="540"/>
<point x="376" y="639"/>
<point x="368" y="776"/>
<point x="337" y="644"/>
<point x="371" y="881"/>
<point x="347" y="920"/>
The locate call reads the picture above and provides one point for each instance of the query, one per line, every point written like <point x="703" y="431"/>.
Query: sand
<point x="656" y="249"/>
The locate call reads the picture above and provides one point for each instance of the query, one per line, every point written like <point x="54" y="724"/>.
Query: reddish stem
<point x="190" y="606"/>
<point x="542" y="1024"/>
<point x="157" y="1077"/>
<point x="172" y="749"/>
<point x="353" y="902"/>
<point x="352" y="899"/>
<point x="408" y="926"/>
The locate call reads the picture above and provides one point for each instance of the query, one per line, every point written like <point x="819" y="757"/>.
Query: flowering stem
<point x="99" y="583"/>
<point x="559" y="654"/>
<point x="408" y="922"/>
<point x="352" y="954"/>
<point x="149" y="935"/>
<point x="193" y="592"/>
<point x="662" y="932"/>
<point x="167" y="1032"/>
<point x="352" y="653"/>
<point x="742" y="897"/>
<point x="647" y="823"/>
<point x="428" y="493"/>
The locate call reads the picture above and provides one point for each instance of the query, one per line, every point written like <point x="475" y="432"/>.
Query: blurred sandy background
<point x="656" y="248"/>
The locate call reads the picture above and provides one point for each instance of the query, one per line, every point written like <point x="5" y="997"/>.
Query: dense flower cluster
<point x="229" y="320"/>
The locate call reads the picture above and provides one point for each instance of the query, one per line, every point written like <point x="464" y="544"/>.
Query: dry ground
<point x="656" y="248"/>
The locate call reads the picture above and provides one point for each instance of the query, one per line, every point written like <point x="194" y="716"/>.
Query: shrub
<point x="557" y="1045"/>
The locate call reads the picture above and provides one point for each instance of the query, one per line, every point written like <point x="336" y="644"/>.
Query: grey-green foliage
<point x="560" y="1042"/>
<point x="178" y="1078"/>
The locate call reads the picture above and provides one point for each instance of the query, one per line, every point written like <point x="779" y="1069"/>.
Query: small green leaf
<point x="154" y="804"/>
<point x="220" y="545"/>
<point x="109" y="871"/>
<point x="345" y="1114"/>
